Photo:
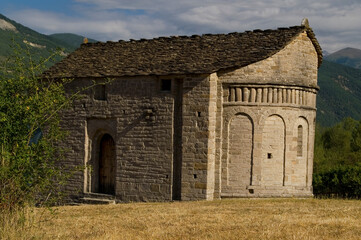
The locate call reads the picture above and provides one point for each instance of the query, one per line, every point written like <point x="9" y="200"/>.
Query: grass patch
<point x="17" y="224"/>
<point x="225" y="219"/>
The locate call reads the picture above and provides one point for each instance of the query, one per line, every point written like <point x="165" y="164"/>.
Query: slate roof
<point x="207" y="53"/>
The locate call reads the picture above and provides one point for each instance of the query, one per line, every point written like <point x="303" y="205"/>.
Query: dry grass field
<point x="225" y="219"/>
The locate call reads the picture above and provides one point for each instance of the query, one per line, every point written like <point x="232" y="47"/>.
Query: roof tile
<point x="176" y="55"/>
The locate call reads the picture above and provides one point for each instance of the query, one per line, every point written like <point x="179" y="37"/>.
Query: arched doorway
<point x="106" y="165"/>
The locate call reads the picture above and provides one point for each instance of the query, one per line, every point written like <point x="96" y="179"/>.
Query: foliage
<point x="30" y="131"/>
<point x="337" y="161"/>
<point x="340" y="181"/>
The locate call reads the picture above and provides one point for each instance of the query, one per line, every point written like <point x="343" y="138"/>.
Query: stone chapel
<point x="193" y="117"/>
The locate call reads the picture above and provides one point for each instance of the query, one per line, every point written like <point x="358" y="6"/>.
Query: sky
<point x="337" y="24"/>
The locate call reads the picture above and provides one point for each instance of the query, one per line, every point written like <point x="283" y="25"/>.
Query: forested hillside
<point x="340" y="93"/>
<point x="348" y="56"/>
<point x="38" y="44"/>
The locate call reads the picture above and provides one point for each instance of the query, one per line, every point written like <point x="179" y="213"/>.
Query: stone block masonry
<point x="276" y="103"/>
<point x="139" y="117"/>
<point x="196" y="118"/>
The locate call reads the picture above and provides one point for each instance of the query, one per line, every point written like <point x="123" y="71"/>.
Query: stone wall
<point x="146" y="124"/>
<point x="275" y="168"/>
<point x="139" y="117"/>
<point x="275" y="99"/>
<point x="295" y="65"/>
<point x="238" y="173"/>
<point x="199" y="122"/>
<point x="273" y="151"/>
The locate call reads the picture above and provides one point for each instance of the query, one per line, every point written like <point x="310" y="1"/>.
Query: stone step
<point x="99" y="196"/>
<point x="87" y="200"/>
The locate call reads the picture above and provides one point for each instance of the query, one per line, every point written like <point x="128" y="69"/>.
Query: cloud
<point x="337" y="23"/>
<point x="99" y="25"/>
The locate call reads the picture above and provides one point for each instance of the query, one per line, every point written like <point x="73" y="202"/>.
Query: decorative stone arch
<point x="273" y="150"/>
<point x="300" y="146"/>
<point x="237" y="159"/>
<point x="273" y="112"/>
<point x="295" y="121"/>
<point x="304" y="122"/>
<point x="101" y="155"/>
<point x="230" y="112"/>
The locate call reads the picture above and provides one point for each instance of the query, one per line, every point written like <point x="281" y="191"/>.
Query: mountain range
<point x="347" y="56"/>
<point x="340" y="93"/>
<point x="12" y="33"/>
<point x="339" y="76"/>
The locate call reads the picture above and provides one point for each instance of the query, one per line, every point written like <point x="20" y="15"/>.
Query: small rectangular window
<point x="99" y="92"/>
<point x="166" y="85"/>
<point x="299" y="141"/>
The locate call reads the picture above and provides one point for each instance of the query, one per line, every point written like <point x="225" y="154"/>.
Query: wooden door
<point x="107" y="165"/>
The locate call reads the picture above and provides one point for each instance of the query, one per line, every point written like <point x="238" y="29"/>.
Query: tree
<point x="30" y="131"/>
<point x="337" y="161"/>
<point x="356" y="138"/>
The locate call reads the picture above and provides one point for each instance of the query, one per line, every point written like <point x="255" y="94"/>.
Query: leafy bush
<point x="337" y="161"/>
<point x="30" y="131"/>
<point x="341" y="181"/>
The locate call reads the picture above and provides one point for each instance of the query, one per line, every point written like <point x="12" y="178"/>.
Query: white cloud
<point x="337" y="23"/>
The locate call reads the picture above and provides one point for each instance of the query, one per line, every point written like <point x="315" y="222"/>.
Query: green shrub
<point x="30" y="132"/>
<point x="340" y="181"/>
<point x="337" y="160"/>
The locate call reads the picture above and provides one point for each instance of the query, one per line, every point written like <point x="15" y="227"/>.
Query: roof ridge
<point x="205" y="53"/>
<point x="193" y="36"/>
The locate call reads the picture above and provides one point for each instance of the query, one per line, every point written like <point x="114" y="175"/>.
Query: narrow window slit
<point x="299" y="141"/>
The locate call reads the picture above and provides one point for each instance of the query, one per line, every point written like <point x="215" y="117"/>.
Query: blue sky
<point x="337" y="24"/>
<point x="43" y="5"/>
